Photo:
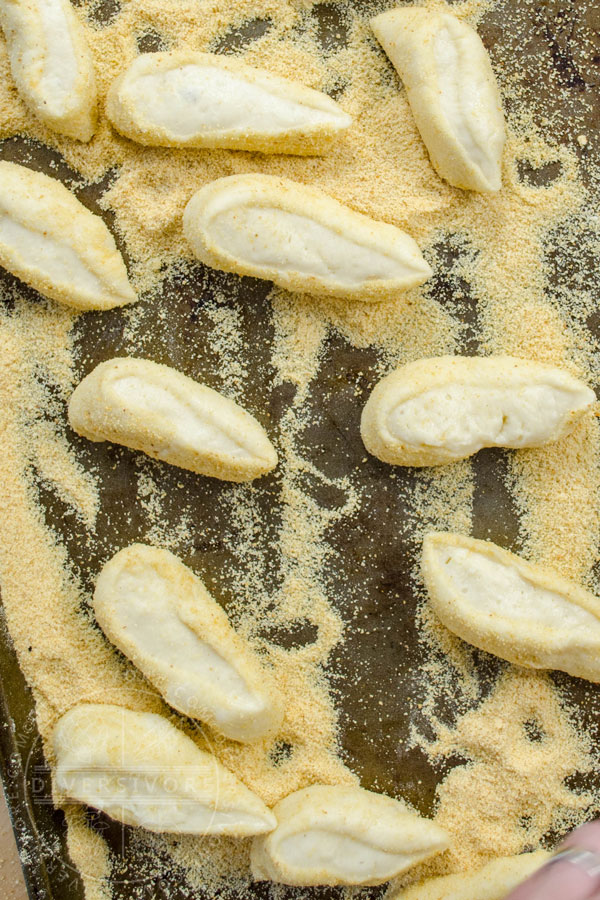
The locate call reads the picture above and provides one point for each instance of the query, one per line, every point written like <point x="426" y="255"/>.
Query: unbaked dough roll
<point x="439" y="410"/>
<point x="155" y="409"/>
<point x="493" y="882"/>
<point x="51" y="64"/>
<point x="183" y="98"/>
<point x="452" y="92"/>
<point x="300" y="238"/>
<point x="160" y="615"/>
<point x="524" y="613"/>
<point x="343" y="835"/>
<point x="54" y="243"/>
<point x="141" y="770"/>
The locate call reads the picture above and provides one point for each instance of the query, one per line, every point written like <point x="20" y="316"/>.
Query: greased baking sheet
<point x="377" y="671"/>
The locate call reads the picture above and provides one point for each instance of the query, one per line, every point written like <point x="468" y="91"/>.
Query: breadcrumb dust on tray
<point x="317" y="563"/>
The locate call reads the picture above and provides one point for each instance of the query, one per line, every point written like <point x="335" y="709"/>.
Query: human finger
<point x="572" y="874"/>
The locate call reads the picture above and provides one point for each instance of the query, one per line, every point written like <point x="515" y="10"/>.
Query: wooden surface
<point x="11" y="877"/>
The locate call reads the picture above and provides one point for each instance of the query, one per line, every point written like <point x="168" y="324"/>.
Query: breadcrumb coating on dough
<point x="516" y="278"/>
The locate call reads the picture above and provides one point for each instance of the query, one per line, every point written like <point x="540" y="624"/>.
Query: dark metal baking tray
<point x="382" y="643"/>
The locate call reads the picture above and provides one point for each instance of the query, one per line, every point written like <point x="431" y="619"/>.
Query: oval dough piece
<point x="160" y="615"/>
<point x="343" y="835"/>
<point x="153" y="408"/>
<point x="141" y="770"/>
<point x="452" y="92"/>
<point x="187" y="99"/>
<point x="51" y="241"/>
<point x="521" y="612"/>
<point x="51" y="64"/>
<point x="492" y="882"/>
<point x="299" y="238"/>
<point x="440" y="410"/>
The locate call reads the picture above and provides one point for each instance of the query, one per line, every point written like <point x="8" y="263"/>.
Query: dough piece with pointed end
<point x="51" y="64"/>
<point x="452" y="92"/>
<point x="343" y="835"/>
<point x="299" y="238"/>
<point x="141" y="770"/>
<point x="440" y="410"/>
<point x="183" y="98"/>
<point x="521" y="612"/>
<point x="155" y="409"/>
<point x="51" y="241"/>
<point x="160" y="615"/>
<point x="493" y="882"/>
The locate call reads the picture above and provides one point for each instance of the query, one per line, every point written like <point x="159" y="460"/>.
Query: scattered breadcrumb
<point x="318" y="564"/>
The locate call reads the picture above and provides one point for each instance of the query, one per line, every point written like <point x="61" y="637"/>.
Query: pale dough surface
<point x="54" y="243"/>
<point x="141" y="770"/>
<point x="439" y="410"/>
<point x="300" y="238"/>
<point x="524" y="613"/>
<point x="160" y="615"/>
<point x="492" y="882"/>
<point x="452" y="91"/>
<point x="155" y="409"/>
<point x="328" y="835"/>
<point x="187" y="99"/>
<point x="51" y="64"/>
